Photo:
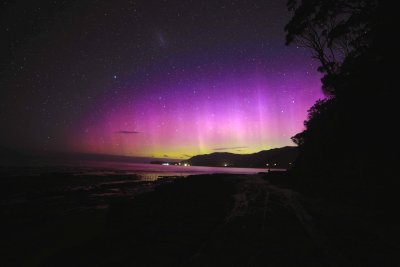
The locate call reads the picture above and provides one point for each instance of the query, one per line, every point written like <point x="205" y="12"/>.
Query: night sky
<point x="151" y="78"/>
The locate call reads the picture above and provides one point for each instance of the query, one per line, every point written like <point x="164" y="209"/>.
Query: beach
<point x="199" y="220"/>
<point x="69" y="220"/>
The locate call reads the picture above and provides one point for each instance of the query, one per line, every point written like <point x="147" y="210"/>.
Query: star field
<point x="151" y="78"/>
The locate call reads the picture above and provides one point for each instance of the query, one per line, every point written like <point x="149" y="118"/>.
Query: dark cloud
<point x="127" y="132"/>
<point x="186" y="155"/>
<point x="166" y="156"/>
<point x="229" y="148"/>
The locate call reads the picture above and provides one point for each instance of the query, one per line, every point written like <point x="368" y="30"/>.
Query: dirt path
<point x="256" y="198"/>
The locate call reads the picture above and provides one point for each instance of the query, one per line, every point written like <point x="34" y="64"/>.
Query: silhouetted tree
<point x="347" y="145"/>
<point x="333" y="30"/>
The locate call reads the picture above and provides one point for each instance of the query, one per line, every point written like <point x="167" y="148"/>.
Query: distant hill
<point x="275" y="158"/>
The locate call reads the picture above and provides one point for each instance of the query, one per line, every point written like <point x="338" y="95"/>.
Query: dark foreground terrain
<point x="205" y="220"/>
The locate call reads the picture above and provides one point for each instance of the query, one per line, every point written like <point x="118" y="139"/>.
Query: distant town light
<point x="165" y="164"/>
<point x="225" y="164"/>
<point x="185" y="164"/>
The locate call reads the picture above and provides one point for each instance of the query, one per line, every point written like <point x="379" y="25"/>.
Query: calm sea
<point x="154" y="171"/>
<point x="146" y="171"/>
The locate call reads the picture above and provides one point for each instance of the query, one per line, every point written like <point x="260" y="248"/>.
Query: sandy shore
<point x="202" y="220"/>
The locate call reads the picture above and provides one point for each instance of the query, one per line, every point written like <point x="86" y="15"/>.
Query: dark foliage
<point x="347" y="147"/>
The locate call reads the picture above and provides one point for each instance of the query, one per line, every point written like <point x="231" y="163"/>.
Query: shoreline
<point x="199" y="220"/>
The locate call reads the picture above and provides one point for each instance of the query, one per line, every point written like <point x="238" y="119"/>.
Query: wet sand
<point x="202" y="220"/>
